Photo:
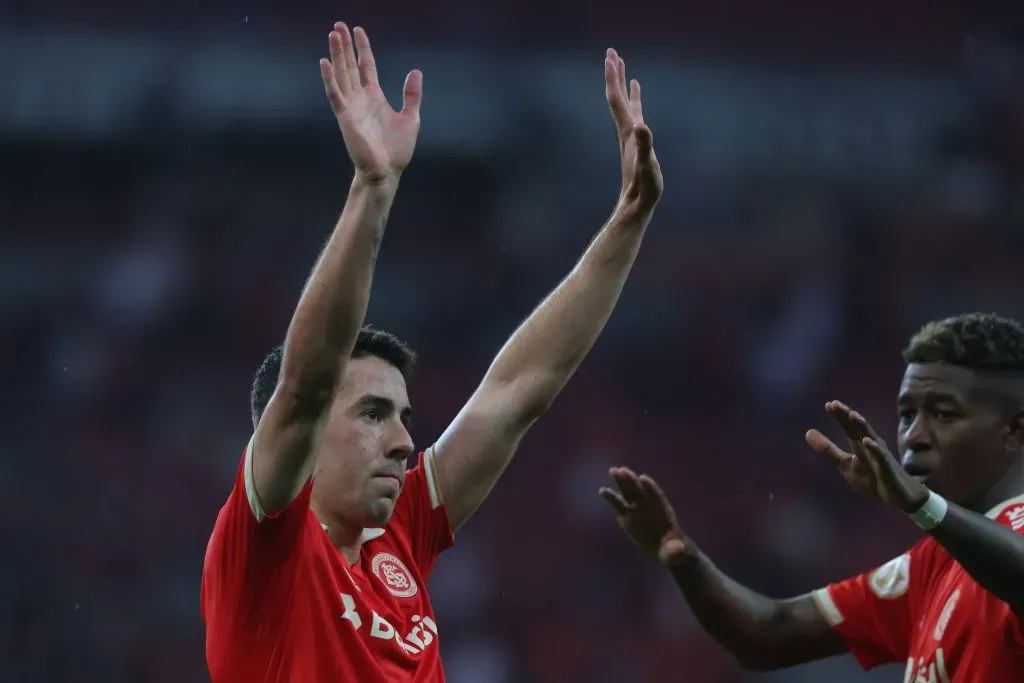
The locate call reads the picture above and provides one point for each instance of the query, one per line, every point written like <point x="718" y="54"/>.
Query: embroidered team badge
<point x="892" y="579"/>
<point x="395" y="575"/>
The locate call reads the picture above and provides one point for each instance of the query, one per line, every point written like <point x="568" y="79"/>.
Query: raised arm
<point x="330" y="311"/>
<point x="991" y="552"/>
<point x="760" y="632"/>
<point x="543" y="353"/>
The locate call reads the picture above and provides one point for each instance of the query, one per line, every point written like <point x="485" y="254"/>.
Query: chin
<point x="379" y="512"/>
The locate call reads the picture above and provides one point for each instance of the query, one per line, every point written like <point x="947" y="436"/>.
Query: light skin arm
<point x="543" y="353"/>
<point x="330" y="311"/>
<point x="992" y="554"/>
<point x="761" y="633"/>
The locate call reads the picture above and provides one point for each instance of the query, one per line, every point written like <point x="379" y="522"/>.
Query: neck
<point x="1009" y="486"/>
<point x="348" y="539"/>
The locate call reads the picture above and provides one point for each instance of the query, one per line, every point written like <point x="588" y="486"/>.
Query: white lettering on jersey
<point x="382" y="628"/>
<point x="422" y="634"/>
<point x="892" y="579"/>
<point x="933" y="671"/>
<point x="350" y="612"/>
<point x="946" y="615"/>
<point x="1015" y="516"/>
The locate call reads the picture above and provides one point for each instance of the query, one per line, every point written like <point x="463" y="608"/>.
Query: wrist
<point x="679" y="556"/>
<point x="930" y="513"/>
<point x="628" y="215"/>
<point x="386" y="184"/>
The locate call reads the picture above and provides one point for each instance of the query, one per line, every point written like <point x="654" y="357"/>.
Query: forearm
<point x="991" y="553"/>
<point x="333" y="303"/>
<point x="547" y="348"/>
<point x="760" y="632"/>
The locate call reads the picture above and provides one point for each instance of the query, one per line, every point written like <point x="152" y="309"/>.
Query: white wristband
<point x="931" y="514"/>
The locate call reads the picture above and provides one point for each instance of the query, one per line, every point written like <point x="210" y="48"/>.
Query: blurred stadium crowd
<point x="835" y="178"/>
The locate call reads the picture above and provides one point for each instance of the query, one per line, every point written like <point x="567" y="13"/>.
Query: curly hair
<point x="979" y="341"/>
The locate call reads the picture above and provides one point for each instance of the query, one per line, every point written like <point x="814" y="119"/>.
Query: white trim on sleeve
<point x="250" y="485"/>
<point x="431" y="474"/>
<point x="827" y="606"/>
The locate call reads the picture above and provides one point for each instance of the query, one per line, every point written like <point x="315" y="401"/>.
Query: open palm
<point x="379" y="139"/>
<point x="642" y="182"/>
<point x="644" y="513"/>
<point x="855" y="470"/>
<point x="870" y="469"/>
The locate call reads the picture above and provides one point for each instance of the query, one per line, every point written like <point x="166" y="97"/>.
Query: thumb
<point x="644" y="142"/>
<point x="412" y="93"/>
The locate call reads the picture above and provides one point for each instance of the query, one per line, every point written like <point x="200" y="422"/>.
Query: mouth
<point x="389" y="478"/>
<point x="917" y="471"/>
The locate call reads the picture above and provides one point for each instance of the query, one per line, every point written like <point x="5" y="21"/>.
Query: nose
<point x="401" y="445"/>
<point x="916" y="438"/>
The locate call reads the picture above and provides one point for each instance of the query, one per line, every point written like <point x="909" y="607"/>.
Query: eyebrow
<point x="384" y="404"/>
<point x="929" y="395"/>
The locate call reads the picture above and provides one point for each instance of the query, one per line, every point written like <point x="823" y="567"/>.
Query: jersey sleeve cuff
<point x="430" y="472"/>
<point x="827" y="606"/>
<point x="250" y="485"/>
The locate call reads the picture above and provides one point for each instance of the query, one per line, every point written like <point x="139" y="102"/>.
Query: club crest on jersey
<point x="394" y="574"/>
<point x="892" y="579"/>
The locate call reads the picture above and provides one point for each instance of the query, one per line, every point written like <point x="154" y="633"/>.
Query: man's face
<point x="952" y="432"/>
<point x="361" y="465"/>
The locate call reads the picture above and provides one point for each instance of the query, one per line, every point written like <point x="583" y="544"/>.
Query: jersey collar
<point x="998" y="509"/>
<point x="367" y="535"/>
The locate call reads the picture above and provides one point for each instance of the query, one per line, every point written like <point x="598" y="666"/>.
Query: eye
<point x="945" y="415"/>
<point x="372" y="414"/>
<point x="906" y="415"/>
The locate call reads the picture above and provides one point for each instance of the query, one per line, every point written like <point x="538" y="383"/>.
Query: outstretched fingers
<point x="331" y="85"/>
<point x="629" y="484"/>
<point x="615" y="93"/>
<point x="824" y="445"/>
<point x="656" y="497"/>
<point x="347" y="69"/>
<point x="634" y="100"/>
<point x="367" y="64"/>
<point x="615" y="499"/>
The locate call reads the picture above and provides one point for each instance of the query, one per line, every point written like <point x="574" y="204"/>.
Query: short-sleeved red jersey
<point x="281" y="604"/>
<point x="922" y="608"/>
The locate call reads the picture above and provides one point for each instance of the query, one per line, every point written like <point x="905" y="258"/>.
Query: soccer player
<point x="317" y="566"/>
<point x="951" y="607"/>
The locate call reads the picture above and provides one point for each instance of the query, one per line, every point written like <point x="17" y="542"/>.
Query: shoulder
<point x="1010" y="513"/>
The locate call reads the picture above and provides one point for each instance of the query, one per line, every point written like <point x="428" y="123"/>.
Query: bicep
<point x="807" y="631"/>
<point x="281" y="454"/>
<point x="474" y="450"/>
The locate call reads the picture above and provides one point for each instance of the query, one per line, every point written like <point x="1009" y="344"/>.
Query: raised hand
<point x="870" y="470"/>
<point x="380" y="140"/>
<point x="642" y="183"/>
<point x="645" y="514"/>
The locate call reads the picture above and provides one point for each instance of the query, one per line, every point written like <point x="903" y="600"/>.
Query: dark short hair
<point x="369" y="342"/>
<point x="979" y="341"/>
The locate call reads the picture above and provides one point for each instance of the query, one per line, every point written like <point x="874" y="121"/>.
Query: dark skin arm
<point x="992" y="554"/>
<point x="760" y="632"/>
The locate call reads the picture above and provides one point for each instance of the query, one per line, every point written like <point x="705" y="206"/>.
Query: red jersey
<point x="922" y="608"/>
<point x="281" y="604"/>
